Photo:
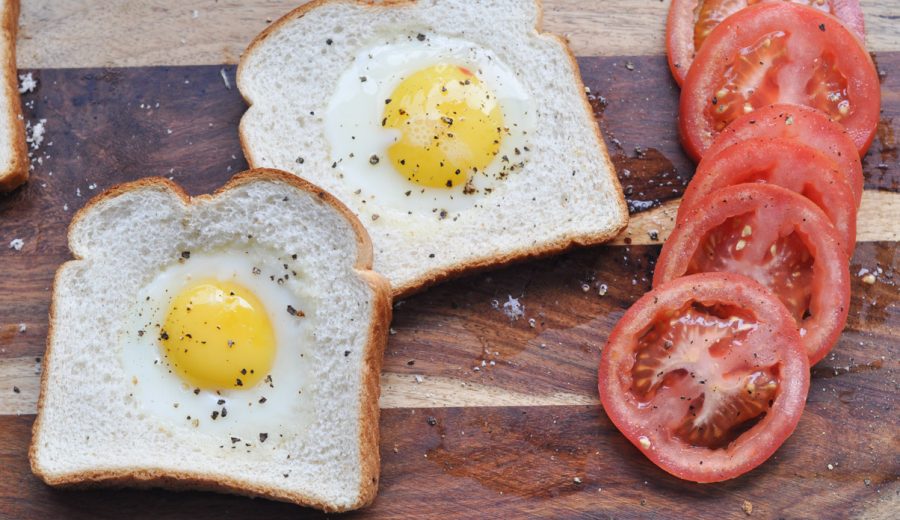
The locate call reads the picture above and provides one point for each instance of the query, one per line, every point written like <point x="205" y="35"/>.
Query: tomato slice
<point x="784" y="163"/>
<point x="779" y="52"/>
<point x="705" y="375"/>
<point x="804" y="125"/>
<point x="778" y="238"/>
<point x="690" y="22"/>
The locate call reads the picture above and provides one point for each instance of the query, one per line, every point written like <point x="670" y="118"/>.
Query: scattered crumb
<point x="629" y="65"/>
<point x="830" y="467"/>
<point x="577" y="480"/>
<point x="34" y="133"/>
<point x="27" y="83"/>
<point x="868" y="279"/>
<point x="195" y="14"/>
<point x="16" y="390"/>
<point x="225" y="78"/>
<point x="419" y="378"/>
<point x="512" y="308"/>
<point x="392" y="331"/>
<point x="17" y="244"/>
<point x="747" y="507"/>
<point x="602" y="289"/>
<point x="22" y="328"/>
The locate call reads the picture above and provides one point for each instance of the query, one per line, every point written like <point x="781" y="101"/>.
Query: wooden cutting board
<point x="483" y="417"/>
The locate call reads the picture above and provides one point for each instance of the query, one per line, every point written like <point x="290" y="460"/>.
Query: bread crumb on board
<point x="17" y="244"/>
<point x="27" y="83"/>
<point x="225" y="78"/>
<point x="747" y="507"/>
<point x="512" y="308"/>
<point x="34" y="133"/>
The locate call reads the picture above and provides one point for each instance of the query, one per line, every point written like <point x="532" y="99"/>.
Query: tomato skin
<point x="802" y="34"/>
<point x="780" y="211"/>
<point x="776" y="333"/>
<point x="781" y="162"/>
<point x="680" y="45"/>
<point x="801" y="124"/>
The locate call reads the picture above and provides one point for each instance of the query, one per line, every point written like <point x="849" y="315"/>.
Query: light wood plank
<point x="397" y="391"/>
<point x="878" y="221"/>
<point x="119" y="33"/>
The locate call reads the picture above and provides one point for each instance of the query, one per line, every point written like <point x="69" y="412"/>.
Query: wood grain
<point x="513" y="402"/>
<point x="129" y="33"/>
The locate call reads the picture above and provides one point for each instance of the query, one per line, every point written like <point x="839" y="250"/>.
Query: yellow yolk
<point x="450" y="126"/>
<point x="217" y="335"/>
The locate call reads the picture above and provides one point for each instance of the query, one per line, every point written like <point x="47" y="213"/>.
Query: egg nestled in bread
<point x="230" y="341"/>
<point x="458" y="132"/>
<point x="428" y="123"/>
<point x="220" y="341"/>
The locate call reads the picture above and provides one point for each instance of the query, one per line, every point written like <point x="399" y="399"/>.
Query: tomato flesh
<point x="783" y="264"/>
<point x="779" y="52"/>
<point x="705" y="375"/>
<point x="782" y="162"/>
<point x="801" y="126"/>
<point x="684" y="355"/>
<point x="691" y="22"/>
<point x="776" y="237"/>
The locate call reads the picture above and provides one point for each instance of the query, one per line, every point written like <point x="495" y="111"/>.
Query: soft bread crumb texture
<point x="90" y="428"/>
<point x="566" y="194"/>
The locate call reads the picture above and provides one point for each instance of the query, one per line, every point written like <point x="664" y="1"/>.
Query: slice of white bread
<point x="92" y="427"/>
<point x="13" y="150"/>
<point x="567" y="193"/>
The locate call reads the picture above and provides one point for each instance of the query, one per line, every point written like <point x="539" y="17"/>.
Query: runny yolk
<point x="450" y="126"/>
<point x="217" y="335"/>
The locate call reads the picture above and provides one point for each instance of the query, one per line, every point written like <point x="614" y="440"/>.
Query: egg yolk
<point x="450" y="126"/>
<point x="217" y="335"/>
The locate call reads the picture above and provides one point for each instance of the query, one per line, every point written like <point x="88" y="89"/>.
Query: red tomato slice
<point x="705" y="375"/>
<point x="779" y="52"/>
<point x="784" y="163"/>
<point x="691" y="21"/>
<point x="778" y="238"/>
<point x="804" y="125"/>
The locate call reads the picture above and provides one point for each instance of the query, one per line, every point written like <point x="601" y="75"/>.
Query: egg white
<point x="354" y="132"/>
<point x="287" y="397"/>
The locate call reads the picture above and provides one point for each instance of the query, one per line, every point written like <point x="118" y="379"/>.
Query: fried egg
<point x="428" y="124"/>
<point x="220" y="342"/>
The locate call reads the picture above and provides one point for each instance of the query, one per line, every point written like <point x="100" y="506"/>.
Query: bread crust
<point x="17" y="173"/>
<point x="368" y="442"/>
<point x="482" y="263"/>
